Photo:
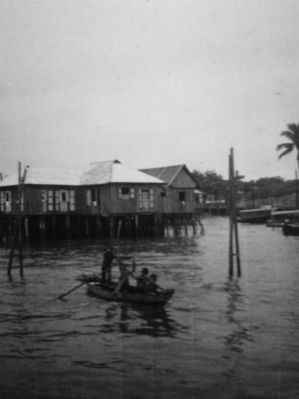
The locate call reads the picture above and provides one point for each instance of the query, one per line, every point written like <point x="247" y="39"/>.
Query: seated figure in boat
<point x="143" y="279"/>
<point x="152" y="285"/>
<point x="123" y="275"/>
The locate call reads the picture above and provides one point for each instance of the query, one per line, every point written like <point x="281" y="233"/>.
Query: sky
<point x="148" y="82"/>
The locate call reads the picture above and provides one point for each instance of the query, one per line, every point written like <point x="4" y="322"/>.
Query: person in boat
<point x="143" y="279"/>
<point x="107" y="265"/>
<point x="123" y="275"/>
<point x="123" y="283"/>
<point x="152" y="285"/>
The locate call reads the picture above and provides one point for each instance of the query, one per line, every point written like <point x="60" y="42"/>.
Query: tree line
<point x="215" y="187"/>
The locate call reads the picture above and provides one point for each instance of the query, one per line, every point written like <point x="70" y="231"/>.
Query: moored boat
<point x="290" y="229"/>
<point x="278" y="218"/>
<point x="258" y="215"/>
<point x="129" y="294"/>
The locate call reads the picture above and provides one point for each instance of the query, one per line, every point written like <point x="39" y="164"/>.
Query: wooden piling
<point x="17" y="239"/>
<point x="234" y="250"/>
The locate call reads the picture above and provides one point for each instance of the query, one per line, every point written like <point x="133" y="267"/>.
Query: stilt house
<point x="179" y="196"/>
<point x="106" y="199"/>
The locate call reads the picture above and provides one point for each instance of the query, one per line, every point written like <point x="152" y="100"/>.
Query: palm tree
<point x="293" y="135"/>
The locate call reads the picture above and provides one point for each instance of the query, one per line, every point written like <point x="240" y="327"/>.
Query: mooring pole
<point x="296" y="188"/>
<point x="18" y="233"/>
<point x="19" y="210"/>
<point x="234" y="250"/>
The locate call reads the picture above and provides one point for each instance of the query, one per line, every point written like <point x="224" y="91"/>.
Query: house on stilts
<point x="104" y="200"/>
<point x="181" y="200"/>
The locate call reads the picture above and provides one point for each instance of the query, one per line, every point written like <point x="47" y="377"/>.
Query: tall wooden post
<point x="297" y="191"/>
<point x="234" y="250"/>
<point x="18" y="230"/>
<point x="20" y="218"/>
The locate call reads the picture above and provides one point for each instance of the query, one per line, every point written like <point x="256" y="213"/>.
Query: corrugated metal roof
<point x="166" y="173"/>
<point x="96" y="173"/>
<point x="115" y="172"/>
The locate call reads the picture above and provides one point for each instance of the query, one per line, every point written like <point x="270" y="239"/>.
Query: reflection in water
<point x="141" y="319"/>
<point x="239" y="335"/>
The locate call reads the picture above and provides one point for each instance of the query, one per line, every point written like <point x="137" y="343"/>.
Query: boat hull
<point x="259" y="215"/>
<point x="130" y="295"/>
<point x="290" y="229"/>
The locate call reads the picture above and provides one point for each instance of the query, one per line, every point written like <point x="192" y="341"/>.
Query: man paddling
<point x="107" y="265"/>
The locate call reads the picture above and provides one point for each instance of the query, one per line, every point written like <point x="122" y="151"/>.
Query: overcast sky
<point x="151" y="83"/>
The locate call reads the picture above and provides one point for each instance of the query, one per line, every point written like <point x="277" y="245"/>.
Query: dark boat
<point x="258" y="215"/>
<point x="290" y="229"/>
<point x="129" y="294"/>
<point x="278" y="218"/>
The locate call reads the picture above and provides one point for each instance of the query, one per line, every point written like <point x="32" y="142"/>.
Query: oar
<point x="71" y="290"/>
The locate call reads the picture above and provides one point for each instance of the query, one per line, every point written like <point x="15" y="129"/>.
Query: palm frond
<point x="288" y="149"/>
<point x="293" y="128"/>
<point x="288" y="134"/>
<point x="285" y="146"/>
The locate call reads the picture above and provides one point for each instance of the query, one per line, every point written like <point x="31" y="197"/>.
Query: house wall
<point x="90" y="200"/>
<point x="180" y="196"/>
<point x="173" y="204"/>
<point x="113" y="202"/>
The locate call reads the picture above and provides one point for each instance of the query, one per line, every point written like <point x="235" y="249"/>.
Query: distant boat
<point x="278" y="218"/>
<point x="257" y="215"/>
<point x="290" y="229"/>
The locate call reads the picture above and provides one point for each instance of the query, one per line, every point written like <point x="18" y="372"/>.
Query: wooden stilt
<point x="137" y="225"/>
<point x="119" y="228"/>
<point x="111" y="226"/>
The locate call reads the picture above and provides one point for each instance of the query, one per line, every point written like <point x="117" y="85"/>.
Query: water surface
<point x="216" y="338"/>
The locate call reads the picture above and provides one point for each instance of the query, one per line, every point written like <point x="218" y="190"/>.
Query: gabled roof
<point x="96" y="173"/>
<point x="114" y="172"/>
<point x="168" y="173"/>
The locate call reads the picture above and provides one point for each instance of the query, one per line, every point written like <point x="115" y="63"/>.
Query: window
<point x="182" y="196"/>
<point x="58" y="200"/>
<point x="92" y="197"/>
<point x="125" y="193"/>
<point x="48" y="200"/>
<point x="146" y="199"/>
<point x="6" y="201"/>
<point x="63" y="196"/>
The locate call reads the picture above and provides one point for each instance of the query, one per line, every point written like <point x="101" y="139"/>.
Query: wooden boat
<point x="278" y="218"/>
<point x="258" y="215"/>
<point x="290" y="229"/>
<point x="130" y="294"/>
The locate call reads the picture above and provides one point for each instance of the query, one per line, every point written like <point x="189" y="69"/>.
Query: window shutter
<point x="57" y="201"/>
<point x="88" y="196"/>
<point x="2" y="201"/>
<point x="72" y="200"/>
<point x="44" y="200"/>
<point x="151" y="198"/>
<point x="50" y="200"/>
<point x="132" y="193"/>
